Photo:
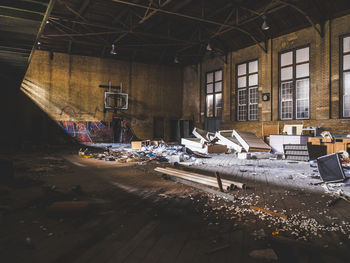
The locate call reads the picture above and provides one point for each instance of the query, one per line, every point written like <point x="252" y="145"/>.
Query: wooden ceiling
<point x="21" y="22"/>
<point x="157" y="31"/>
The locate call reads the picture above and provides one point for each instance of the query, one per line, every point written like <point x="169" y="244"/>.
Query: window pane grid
<point x="287" y="100"/>
<point x="253" y="104"/>
<point x="214" y="94"/>
<point x="247" y="91"/>
<point x="295" y="84"/>
<point x="302" y="99"/>
<point x="346" y="76"/>
<point x="242" y="104"/>
<point x="346" y="94"/>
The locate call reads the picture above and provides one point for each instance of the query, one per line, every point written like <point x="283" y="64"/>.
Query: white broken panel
<point x="202" y="134"/>
<point x="195" y="145"/>
<point x="250" y="141"/>
<point x="225" y="138"/>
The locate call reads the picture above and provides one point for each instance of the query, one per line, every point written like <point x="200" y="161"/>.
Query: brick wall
<point x="322" y="112"/>
<point x="66" y="87"/>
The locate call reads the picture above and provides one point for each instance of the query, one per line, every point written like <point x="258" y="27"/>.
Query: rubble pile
<point x="158" y="153"/>
<point x="296" y="225"/>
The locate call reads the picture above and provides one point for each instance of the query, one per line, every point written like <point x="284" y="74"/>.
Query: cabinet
<point x="277" y="141"/>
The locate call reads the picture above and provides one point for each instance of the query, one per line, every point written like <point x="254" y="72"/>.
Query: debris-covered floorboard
<point x="140" y="217"/>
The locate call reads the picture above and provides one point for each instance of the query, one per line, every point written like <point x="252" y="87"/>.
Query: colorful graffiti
<point x="88" y="131"/>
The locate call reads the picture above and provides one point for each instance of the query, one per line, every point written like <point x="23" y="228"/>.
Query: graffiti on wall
<point x="88" y="131"/>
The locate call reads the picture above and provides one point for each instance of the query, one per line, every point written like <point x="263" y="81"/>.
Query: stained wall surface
<point x="66" y="87"/>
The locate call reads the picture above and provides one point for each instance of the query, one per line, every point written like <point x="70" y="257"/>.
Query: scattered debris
<point x="158" y="152"/>
<point x="267" y="211"/>
<point x="333" y="201"/>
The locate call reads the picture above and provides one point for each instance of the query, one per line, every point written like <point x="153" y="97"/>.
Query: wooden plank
<point x="168" y="246"/>
<point x="218" y="178"/>
<point x="206" y="181"/>
<point x="237" y="184"/>
<point x="124" y="252"/>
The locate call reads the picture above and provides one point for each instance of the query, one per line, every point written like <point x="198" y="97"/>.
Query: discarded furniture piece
<point x="296" y="152"/>
<point x="337" y="144"/>
<point x="303" y="152"/>
<point x="330" y="168"/>
<point x="294" y="129"/>
<point x="230" y="138"/>
<point x="226" y="138"/>
<point x="315" y="130"/>
<point x="277" y="141"/>
<point x="202" y="146"/>
<point x="203" y="143"/>
<point x="199" y="178"/>
<point x="267" y="130"/>
<point x="250" y="142"/>
<point x="137" y="145"/>
<point x="202" y="134"/>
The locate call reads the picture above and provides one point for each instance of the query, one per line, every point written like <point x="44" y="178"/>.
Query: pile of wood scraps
<point x="217" y="182"/>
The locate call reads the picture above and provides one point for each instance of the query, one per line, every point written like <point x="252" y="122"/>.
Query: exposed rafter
<point x="150" y="14"/>
<point x="21" y="10"/>
<point x="158" y="30"/>
<point x="196" y="19"/>
<point x="318" y="30"/>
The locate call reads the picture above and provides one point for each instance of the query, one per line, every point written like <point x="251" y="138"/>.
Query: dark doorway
<point x="212" y="124"/>
<point x="158" y="128"/>
<point x="180" y="129"/>
<point x="122" y="133"/>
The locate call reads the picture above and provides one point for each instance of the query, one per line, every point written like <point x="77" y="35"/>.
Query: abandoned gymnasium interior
<point x="174" y="131"/>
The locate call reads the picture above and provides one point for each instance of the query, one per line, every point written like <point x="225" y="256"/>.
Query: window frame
<point x="341" y="75"/>
<point x="214" y="93"/>
<point x="247" y="89"/>
<point x="294" y="80"/>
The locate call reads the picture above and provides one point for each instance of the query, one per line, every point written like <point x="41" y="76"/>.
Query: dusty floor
<point x="137" y="216"/>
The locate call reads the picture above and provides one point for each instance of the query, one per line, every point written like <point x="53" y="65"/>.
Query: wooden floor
<point x="140" y="217"/>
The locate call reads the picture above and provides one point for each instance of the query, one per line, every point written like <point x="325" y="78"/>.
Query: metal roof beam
<point x="318" y="30"/>
<point x="199" y="19"/>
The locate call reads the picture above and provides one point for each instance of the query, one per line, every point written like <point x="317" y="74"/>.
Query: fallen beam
<point x="205" y="181"/>
<point x="236" y="184"/>
<point x="218" y="178"/>
<point x="203" y="188"/>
